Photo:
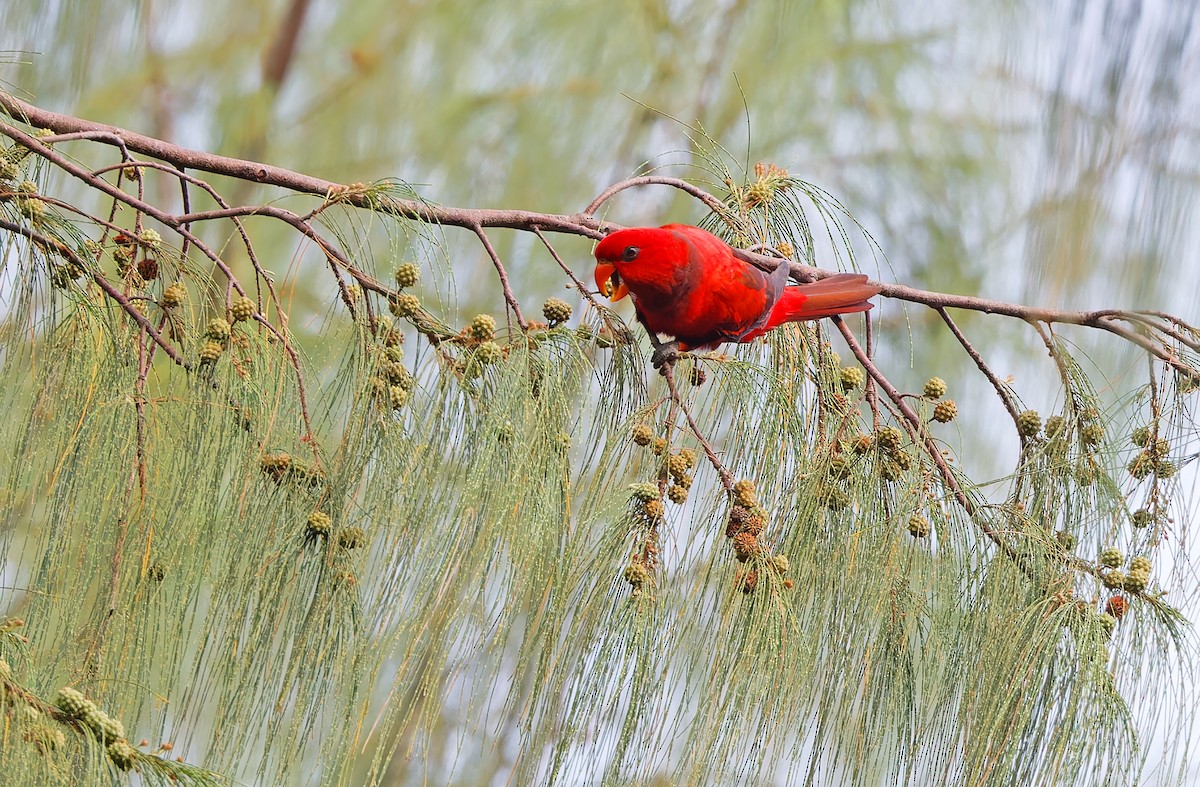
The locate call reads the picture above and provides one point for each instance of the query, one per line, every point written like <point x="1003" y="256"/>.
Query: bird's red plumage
<point x="688" y="283"/>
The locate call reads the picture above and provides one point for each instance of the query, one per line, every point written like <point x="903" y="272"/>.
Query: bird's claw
<point x="665" y="355"/>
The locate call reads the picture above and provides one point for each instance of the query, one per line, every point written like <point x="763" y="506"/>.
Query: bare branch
<point x="668" y="372"/>
<point x="509" y="297"/>
<point x="711" y="202"/>
<point x="1001" y="390"/>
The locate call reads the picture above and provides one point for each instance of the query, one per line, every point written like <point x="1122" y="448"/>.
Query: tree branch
<point x="668" y="373"/>
<point x="980" y="364"/>
<point x="583" y="224"/>
<point x="268" y="175"/>
<point x="711" y="202"/>
<point x="509" y="297"/>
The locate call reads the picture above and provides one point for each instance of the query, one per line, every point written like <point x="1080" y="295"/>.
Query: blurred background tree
<point x="1034" y="152"/>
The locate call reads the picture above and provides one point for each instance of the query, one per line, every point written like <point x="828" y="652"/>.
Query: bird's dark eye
<point x="630" y="254"/>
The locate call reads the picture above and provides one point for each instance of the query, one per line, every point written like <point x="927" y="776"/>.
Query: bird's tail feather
<point x="843" y="293"/>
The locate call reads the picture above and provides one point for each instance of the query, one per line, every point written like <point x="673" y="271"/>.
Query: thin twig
<point x="102" y="282"/>
<point x="981" y="364"/>
<point x="917" y="428"/>
<point x="93" y="136"/>
<point x="185" y="199"/>
<point x="102" y="185"/>
<point x="668" y="372"/>
<point x="943" y="468"/>
<point x="711" y="202"/>
<point x="185" y="219"/>
<point x="584" y="290"/>
<point x="294" y="357"/>
<point x="503" y="274"/>
<point x="1144" y="318"/>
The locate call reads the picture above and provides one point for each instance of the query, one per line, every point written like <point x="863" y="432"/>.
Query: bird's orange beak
<point x="609" y="281"/>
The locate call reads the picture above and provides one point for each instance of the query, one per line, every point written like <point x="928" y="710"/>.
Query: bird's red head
<point x="636" y="256"/>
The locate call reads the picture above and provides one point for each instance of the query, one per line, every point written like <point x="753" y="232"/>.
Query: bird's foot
<point x="665" y="355"/>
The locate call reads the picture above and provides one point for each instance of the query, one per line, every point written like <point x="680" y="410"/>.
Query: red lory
<point x="687" y="283"/>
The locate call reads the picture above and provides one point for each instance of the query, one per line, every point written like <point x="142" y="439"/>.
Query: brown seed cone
<point x="739" y="518"/>
<point x="147" y="268"/>
<point x="745" y="545"/>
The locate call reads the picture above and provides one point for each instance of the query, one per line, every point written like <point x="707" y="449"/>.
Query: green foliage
<point x="449" y="516"/>
<point x="326" y="544"/>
